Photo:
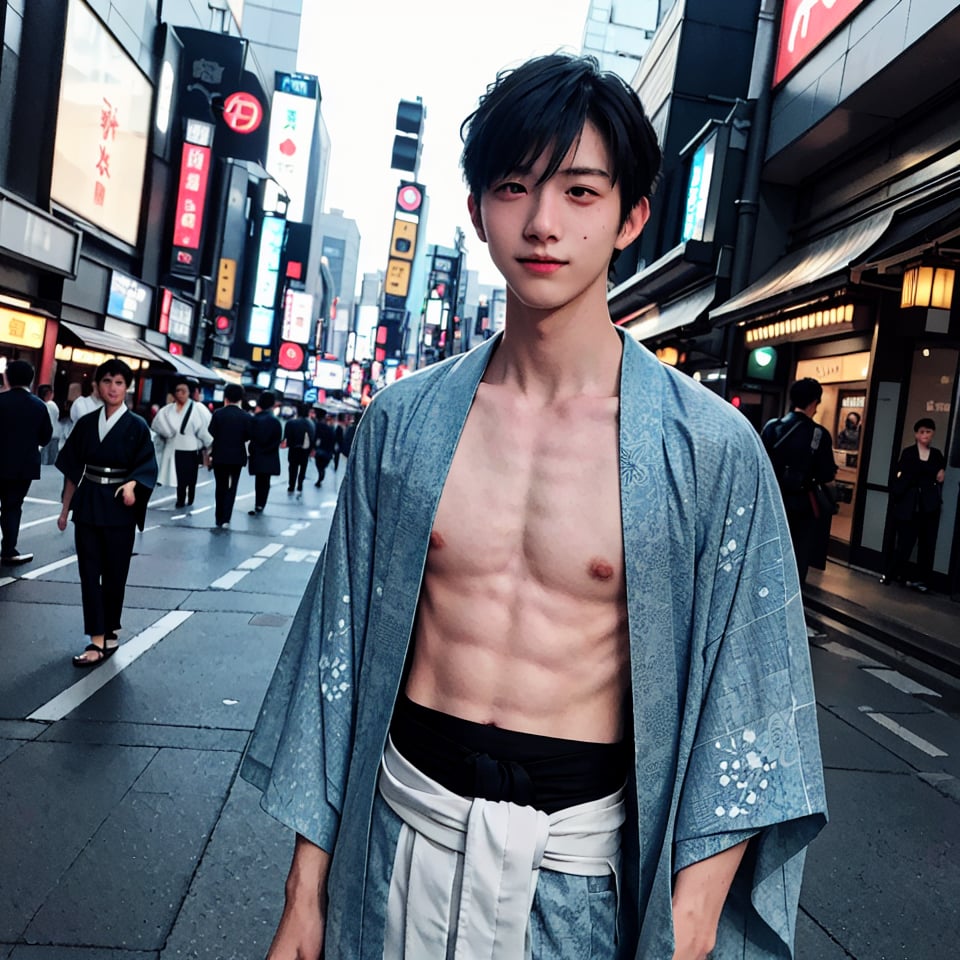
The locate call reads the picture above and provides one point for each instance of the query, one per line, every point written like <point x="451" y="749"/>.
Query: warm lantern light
<point x="927" y="287"/>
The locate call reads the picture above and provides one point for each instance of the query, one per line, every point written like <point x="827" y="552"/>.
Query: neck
<point x="553" y="355"/>
<point x="110" y="409"/>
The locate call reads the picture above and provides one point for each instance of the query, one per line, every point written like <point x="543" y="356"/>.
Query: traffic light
<point x="407" y="143"/>
<point x="224" y="326"/>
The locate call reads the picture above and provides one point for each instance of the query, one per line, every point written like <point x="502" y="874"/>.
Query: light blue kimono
<point x="723" y="706"/>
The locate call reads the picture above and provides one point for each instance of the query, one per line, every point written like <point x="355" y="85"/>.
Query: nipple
<point x="436" y="540"/>
<point x="600" y="569"/>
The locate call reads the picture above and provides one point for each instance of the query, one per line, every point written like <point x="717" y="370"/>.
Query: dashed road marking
<point x="270" y="550"/>
<point x="34" y="523"/>
<point x="251" y="563"/>
<point x="71" y="698"/>
<point x="229" y="580"/>
<point x="193" y="513"/>
<point x="56" y="565"/>
<point x="902" y="683"/>
<point x="839" y="650"/>
<point x="41" y="500"/>
<point x="5" y="580"/>
<point x="296" y="555"/>
<point x="294" y="529"/>
<point x="925" y="746"/>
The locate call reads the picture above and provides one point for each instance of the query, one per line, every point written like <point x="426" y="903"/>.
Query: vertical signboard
<point x="195" y="162"/>
<point x="262" y="317"/>
<point x="293" y="113"/>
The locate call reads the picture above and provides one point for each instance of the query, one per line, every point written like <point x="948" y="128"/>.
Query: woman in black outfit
<point x="916" y="496"/>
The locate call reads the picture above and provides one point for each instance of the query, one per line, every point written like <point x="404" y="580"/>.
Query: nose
<point x="543" y="220"/>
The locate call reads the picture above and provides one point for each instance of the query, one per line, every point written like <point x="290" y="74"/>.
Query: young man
<point x="25" y="427"/>
<point x="536" y="705"/>
<point x="265" y="436"/>
<point x="299" y="435"/>
<point x="802" y="455"/>
<point x="110" y="470"/>
<point x="230" y="429"/>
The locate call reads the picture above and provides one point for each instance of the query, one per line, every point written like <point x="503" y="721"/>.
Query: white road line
<point x="5" y="580"/>
<point x="158" y="501"/>
<point x="902" y="683"/>
<point x="839" y="650"/>
<point x="73" y="696"/>
<point x="40" y="571"/>
<point x="55" y="503"/>
<point x="193" y="513"/>
<point x="904" y="734"/>
<point x="251" y="563"/>
<point x="34" y="523"/>
<point x="295" y="555"/>
<point x="229" y="580"/>
<point x="178" y="516"/>
<point x="270" y="550"/>
<point x="294" y="529"/>
<point x="156" y="526"/>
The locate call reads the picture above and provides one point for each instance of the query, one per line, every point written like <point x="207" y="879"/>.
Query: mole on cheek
<point x="600" y="569"/>
<point x="436" y="540"/>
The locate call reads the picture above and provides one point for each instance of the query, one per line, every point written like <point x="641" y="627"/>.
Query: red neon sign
<point x="290" y="357"/>
<point x="194" y="171"/>
<point x="804" y="25"/>
<point x="242" y="112"/>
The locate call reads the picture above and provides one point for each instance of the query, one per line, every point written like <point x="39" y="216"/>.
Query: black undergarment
<point x="480" y="760"/>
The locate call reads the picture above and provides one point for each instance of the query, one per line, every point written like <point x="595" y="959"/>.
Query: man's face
<point x="182" y="393"/>
<point x="553" y="241"/>
<point x="924" y="435"/>
<point x="113" y="389"/>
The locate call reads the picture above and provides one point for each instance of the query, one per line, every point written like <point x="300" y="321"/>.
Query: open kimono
<point x="723" y="710"/>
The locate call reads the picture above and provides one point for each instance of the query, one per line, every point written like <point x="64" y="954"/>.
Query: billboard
<point x="292" y="121"/>
<point x="103" y="120"/>
<point x="195" y="162"/>
<point x="128" y="299"/>
<point x="297" y="317"/>
<point x="804" y="25"/>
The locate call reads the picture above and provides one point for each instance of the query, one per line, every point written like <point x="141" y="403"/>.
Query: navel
<point x="436" y="540"/>
<point x="600" y="569"/>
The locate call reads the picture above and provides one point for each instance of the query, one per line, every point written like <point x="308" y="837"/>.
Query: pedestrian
<point x="802" y="455"/>
<point x="110" y="470"/>
<point x="299" y="436"/>
<point x="265" y="436"/>
<point x="326" y="444"/>
<point x="916" y="496"/>
<point x="25" y="427"/>
<point x="346" y="440"/>
<point x="528" y="693"/>
<point x="184" y="426"/>
<point x="87" y="402"/>
<point x="337" y="441"/>
<point x="49" y="453"/>
<point x="230" y="429"/>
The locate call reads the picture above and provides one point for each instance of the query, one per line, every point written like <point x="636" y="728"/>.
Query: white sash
<point x="466" y="871"/>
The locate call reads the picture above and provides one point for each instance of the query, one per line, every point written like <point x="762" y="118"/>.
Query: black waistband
<point x="479" y="760"/>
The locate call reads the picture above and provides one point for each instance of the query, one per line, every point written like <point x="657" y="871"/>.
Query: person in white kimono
<point x="184" y="425"/>
<point x="536" y="705"/>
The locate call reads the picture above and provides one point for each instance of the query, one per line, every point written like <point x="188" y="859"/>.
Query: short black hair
<point x="112" y="368"/>
<point x="266" y="400"/>
<point x="541" y="107"/>
<point x="924" y="422"/>
<point x="19" y="373"/>
<point x="233" y="392"/>
<point x="303" y="409"/>
<point x="44" y="391"/>
<point x="804" y="392"/>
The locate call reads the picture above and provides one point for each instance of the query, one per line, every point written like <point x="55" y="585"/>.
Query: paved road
<point x="127" y="833"/>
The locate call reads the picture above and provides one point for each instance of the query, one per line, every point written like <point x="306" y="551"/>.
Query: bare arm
<point x="68" y="490"/>
<point x="699" y="894"/>
<point x="299" y="935"/>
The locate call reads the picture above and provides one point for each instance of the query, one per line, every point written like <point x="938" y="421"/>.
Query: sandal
<point x="105" y="653"/>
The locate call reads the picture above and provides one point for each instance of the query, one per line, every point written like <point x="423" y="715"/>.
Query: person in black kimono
<point x="299" y="436"/>
<point x="916" y="498"/>
<point x="265" y="436"/>
<point x="110" y="469"/>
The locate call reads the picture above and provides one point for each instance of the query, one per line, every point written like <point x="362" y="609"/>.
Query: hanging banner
<point x="195" y="163"/>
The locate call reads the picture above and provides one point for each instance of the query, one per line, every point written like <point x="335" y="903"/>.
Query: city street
<point x="128" y="835"/>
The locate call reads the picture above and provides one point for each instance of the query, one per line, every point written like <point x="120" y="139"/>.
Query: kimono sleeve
<point x="754" y="769"/>
<point x="71" y="458"/>
<point x="300" y="750"/>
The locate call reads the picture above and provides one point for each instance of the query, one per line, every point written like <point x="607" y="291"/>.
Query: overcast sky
<point x="370" y="54"/>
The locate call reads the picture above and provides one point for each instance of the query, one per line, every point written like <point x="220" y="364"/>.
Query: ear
<point x="633" y="225"/>
<point x="475" y="217"/>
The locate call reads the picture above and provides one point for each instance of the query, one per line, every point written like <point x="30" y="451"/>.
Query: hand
<point x="300" y="933"/>
<point x="940" y="476"/>
<point x="127" y="491"/>
<point x="62" y="522"/>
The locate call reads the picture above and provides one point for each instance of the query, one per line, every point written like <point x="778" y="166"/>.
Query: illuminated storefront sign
<point x="804" y="25"/>
<point x="268" y="261"/>
<point x="242" y="112"/>
<point x="297" y="317"/>
<point x="103" y="120"/>
<point x="93" y="358"/>
<point x="328" y="375"/>
<point x="698" y="190"/>
<point x="22" y="329"/>
<point x="260" y="332"/>
<point x="129" y="299"/>
<point x="181" y="321"/>
<point x="191" y="198"/>
<point x="290" y="356"/>
<point x="292" y="120"/>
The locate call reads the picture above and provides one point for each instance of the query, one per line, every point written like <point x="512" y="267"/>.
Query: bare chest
<point x="536" y="497"/>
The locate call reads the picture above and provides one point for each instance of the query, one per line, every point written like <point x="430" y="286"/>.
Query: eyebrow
<point x="584" y="172"/>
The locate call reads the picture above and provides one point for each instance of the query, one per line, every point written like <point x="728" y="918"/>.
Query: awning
<point x="185" y="366"/>
<point x="104" y="342"/>
<point x="677" y="313"/>
<point x="812" y="270"/>
<point x="228" y="375"/>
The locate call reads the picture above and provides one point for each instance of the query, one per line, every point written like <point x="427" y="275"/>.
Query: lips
<point x="540" y="264"/>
